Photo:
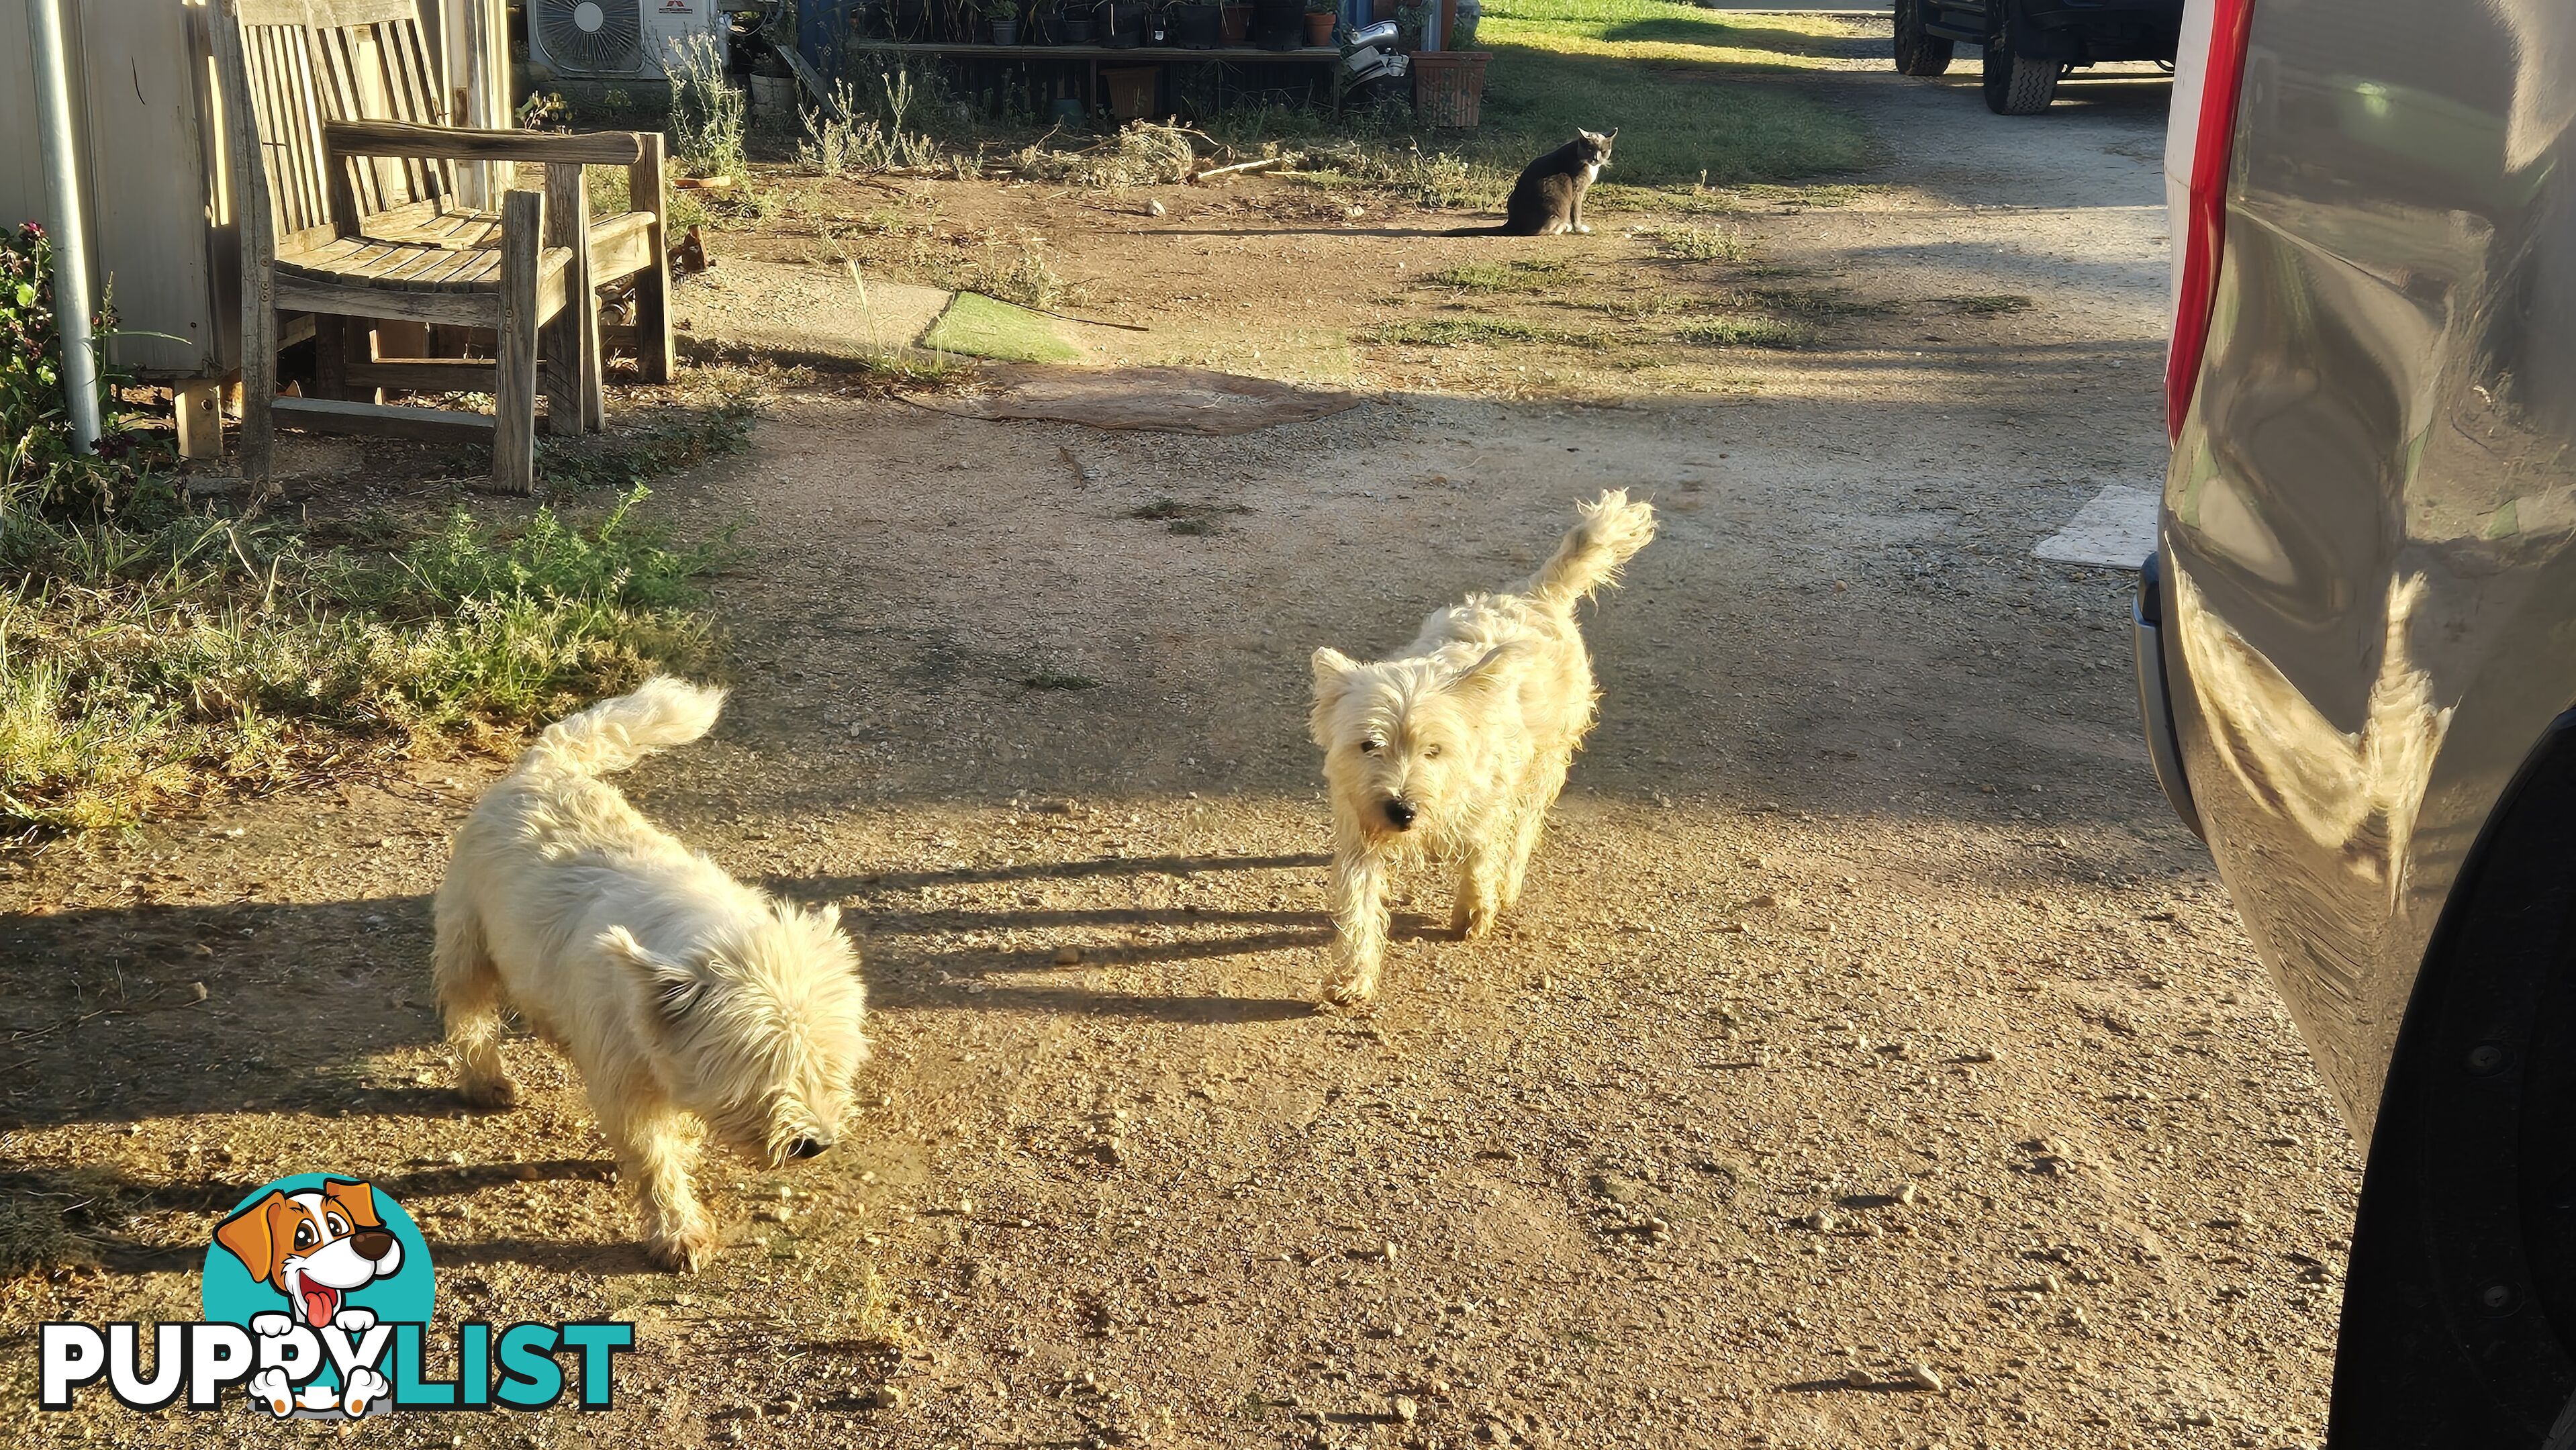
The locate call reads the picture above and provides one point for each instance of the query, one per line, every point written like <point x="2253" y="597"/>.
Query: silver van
<point x="2357" y="643"/>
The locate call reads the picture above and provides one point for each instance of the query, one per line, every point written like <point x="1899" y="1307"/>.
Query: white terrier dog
<point x="1455" y="748"/>
<point x="680" y="993"/>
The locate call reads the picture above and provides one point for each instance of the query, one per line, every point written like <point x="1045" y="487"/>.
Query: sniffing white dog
<point x="680" y="993"/>
<point x="1456" y="748"/>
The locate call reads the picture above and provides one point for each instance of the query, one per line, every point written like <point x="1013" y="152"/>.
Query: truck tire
<point x="1919" y="54"/>
<point x="2016" y="85"/>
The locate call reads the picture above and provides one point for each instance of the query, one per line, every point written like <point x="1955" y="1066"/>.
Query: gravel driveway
<point x="1873" y="1061"/>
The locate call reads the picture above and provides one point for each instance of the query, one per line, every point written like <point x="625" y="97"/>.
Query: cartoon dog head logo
<point x="314" y="1246"/>
<point x="322" y="1270"/>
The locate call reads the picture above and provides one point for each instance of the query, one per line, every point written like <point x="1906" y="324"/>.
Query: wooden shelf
<point x="1139" y="54"/>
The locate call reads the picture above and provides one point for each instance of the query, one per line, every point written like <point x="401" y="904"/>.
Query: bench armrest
<point x="448" y="143"/>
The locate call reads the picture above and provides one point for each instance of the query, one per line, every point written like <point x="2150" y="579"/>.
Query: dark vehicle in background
<point x="2357" y="644"/>
<point x="2030" y="45"/>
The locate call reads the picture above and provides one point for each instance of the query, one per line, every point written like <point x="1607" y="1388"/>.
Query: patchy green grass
<point x="1482" y="332"/>
<point x="155" y="651"/>
<point x="1701" y="244"/>
<point x="1813" y="301"/>
<point x="1545" y="275"/>
<point x="205" y="654"/>
<point x="1988" y="302"/>
<point x="1698" y="98"/>
<point x="1765" y="332"/>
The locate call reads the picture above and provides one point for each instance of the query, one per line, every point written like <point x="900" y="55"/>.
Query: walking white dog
<point x="1456" y="748"/>
<point x="680" y="993"/>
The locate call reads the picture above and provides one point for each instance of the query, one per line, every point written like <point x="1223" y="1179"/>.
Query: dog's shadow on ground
<point x="998" y="980"/>
<point x="68" y="1215"/>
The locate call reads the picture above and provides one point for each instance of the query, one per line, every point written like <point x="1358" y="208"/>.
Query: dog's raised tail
<point x="1592" y="551"/>
<point x="614" y="734"/>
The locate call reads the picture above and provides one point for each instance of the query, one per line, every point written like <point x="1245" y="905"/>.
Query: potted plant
<point x="1006" y="25"/>
<point x="1198" y="25"/>
<point x="1449" y="83"/>
<point x="1321" y="16"/>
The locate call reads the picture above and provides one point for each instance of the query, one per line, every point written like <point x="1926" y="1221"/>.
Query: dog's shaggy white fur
<point x="1455" y="748"/>
<point x="680" y="993"/>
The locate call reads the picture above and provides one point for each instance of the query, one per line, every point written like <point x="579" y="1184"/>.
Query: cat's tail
<point x="1500" y="231"/>
<point x="1590" y="555"/>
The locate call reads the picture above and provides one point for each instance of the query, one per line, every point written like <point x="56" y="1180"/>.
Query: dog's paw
<point x="354" y="1320"/>
<point x="364" y="1388"/>
<point x="269" y="1386"/>
<point x="1472" y="923"/>
<point x="685" y="1251"/>
<point x="491" y="1093"/>
<point x="271" y="1326"/>
<point x="1352" y="994"/>
<point x="1585" y="230"/>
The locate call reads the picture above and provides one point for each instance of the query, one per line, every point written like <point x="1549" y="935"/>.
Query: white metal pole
<point x="71" y="242"/>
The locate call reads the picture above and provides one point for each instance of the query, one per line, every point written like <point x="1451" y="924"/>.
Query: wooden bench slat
<point x="450" y="143"/>
<point x="435" y="425"/>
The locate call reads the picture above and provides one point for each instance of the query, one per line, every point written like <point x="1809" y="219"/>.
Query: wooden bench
<point x="349" y="212"/>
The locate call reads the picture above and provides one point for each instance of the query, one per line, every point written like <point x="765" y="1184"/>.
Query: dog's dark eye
<point x="304" y="1235"/>
<point x="338" y="1224"/>
<point x="1371" y="747"/>
<point x="1431" y="752"/>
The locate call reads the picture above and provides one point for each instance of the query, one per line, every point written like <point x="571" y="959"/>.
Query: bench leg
<point x="573" y="403"/>
<point x="514" y="401"/>
<point x="647" y="192"/>
<point x="331" y="358"/>
<point x="199" y="407"/>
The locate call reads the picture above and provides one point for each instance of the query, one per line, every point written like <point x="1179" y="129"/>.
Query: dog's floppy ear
<point x="247" y="1237"/>
<point x="358" y="1200"/>
<point x="674" y="990"/>
<point x="1485" y="673"/>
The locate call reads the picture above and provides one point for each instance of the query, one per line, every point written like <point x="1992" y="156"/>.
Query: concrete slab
<point x="2115" y="529"/>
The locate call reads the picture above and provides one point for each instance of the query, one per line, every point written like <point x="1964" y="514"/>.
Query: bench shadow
<point x="122" y="1013"/>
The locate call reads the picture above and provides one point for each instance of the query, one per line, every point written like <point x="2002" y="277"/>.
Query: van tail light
<point x="2200" y="213"/>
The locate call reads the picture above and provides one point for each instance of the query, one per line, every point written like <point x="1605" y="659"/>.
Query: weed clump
<point x="708" y="110"/>
<point x="841" y="142"/>
<point x="1143" y="153"/>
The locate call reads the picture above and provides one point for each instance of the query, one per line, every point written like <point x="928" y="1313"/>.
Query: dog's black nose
<point x="372" y="1244"/>
<point x="1399" y="814"/>
<point x="806" y="1147"/>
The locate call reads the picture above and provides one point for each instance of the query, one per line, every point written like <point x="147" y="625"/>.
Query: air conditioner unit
<point x="613" y="39"/>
